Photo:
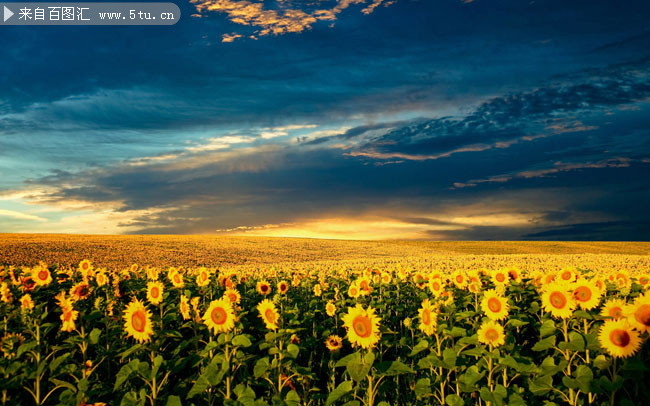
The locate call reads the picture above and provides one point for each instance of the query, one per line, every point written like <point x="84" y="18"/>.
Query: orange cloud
<point x="282" y="20"/>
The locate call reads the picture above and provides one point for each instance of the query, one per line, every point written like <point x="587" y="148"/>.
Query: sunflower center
<point x="642" y="314"/>
<point x="270" y="315"/>
<point x="218" y="315"/>
<point x="459" y="279"/>
<point x="558" y="300"/>
<point x="500" y="277"/>
<point x="138" y="321"/>
<point x="362" y="326"/>
<point x="435" y="286"/>
<point x="43" y="274"/>
<point x="566" y="275"/>
<point x="494" y="304"/>
<point x="492" y="334"/>
<point x="177" y="279"/>
<point x="616" y="312"/>
<point x="619" y="337"/>
<point x="582" y="293"/>
<point x="155" y="291"/>
<point x="264" y="288"/>
<point x="426" y="317"/>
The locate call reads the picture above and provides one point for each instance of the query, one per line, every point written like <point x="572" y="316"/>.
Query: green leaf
<point x="261" y="366"/>
<point x="342" y="389"/>
<point x="157" y="362"/>
<point x="544" y="344"/>
<point x="94" y="336"/>
<point x="359" y="369"/>
<point x="458" y="332"/>
<point x="203" y="382"/>
<point x="395" y="368"/>
<point x="469" y="379"/>
<point x="548" y="328"/>
<point x="516" y="323"/>
<point x="174" y="401"/>
<point x="449" y="357"/>
<point x="421" y="346"/>
<point x="293" y="349"/>
<point x="584" y="376"/>
<point x="602" y="362"/>
<point x="130" y="351"/>
<point x="241" y="341"/>
<point x="516" y="400"/>
<point x="56" y="362"/>
<point x="454" y="400"/>
<point x="541" y="385"/>
<point x="125" y="372"/>
<point x="422" y="387"/>
<point x="292" y="398"/>
<point x="344" y="361"/>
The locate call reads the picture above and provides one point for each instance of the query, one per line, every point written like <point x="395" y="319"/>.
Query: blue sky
<point x="335" y="118"/>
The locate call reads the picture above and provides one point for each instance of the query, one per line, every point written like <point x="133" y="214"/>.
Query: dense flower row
<point x="316" y="336"/>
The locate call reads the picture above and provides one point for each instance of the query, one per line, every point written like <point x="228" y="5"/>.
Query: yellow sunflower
<point x="428" y="317"/>
<point x="176" y="278"/>
<point x="233" y="295"/>
<point x="613" y="308"/>
<point x="85" y="267"/>
<point x="41" y="275"/>
<point x="26" y="302"/>
<point x="362" y="326"/>
<point x="5" y="293"/>
<point x="459" y="279"/>
<point x="491" y="333"/>
<point x="317" y="290"/>
<point x="365" y="286"/>
<point x="494" y="306"/>
<point x="269" y="314"/>
<point x="220" y="317"/>
<point x="101" y="278"/>
<point x="353" y="291"/>
<point x="137" y="321"/>
<point x="152" y="274"/>
<point x="184" y="307"/>
<point x="558" y="299"/>
<point x="514" y="274"/>
<point x="500" y="277"/>
<point x="334" y="343"/>
<point x="283" y="287"/>
<point x="644" y="281"/>
<point x="80" y="291"/>
<point x="436" y="286"/>
<point x="330" y="308"/>
<point x="263" y="287"/>
<point x="568" y="275"/>
<point x="618" y="338"/>
<point x="203" y="278"/>
<point x="586" y="294"/>
<point x="155" y="292"/>
<point x="638" y="313"/>
<point x="68" y="319"/>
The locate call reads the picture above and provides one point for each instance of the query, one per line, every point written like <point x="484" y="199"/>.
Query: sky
<point x="350" y="119"/>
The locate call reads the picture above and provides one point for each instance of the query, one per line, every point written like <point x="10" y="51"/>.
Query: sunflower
<point x="80" y="291"/>
<point x="334" y="343"/>
<point x="353" y="291"/>
<point x="68" y="318"/>
<point x="269" y="314"/>
<point x="5" y="293"/>
<point x="362" y="326"/>
<point x="428" y="317"/>
<point x="233" y="295"/>
<point x="330" y="308"/>
<point x="283" y="287"/>
<point x="644" y="280"/>
<point x="586" y="294"/>
<point x="203" y="278"/>
<point x="134" y="268"/>
<point x="184" y="307"/>
<point x="638" y="313"/>
<point x="491" y="333"/>
<point x="101" y="278"/>
<point x="386" y="277"/>
<point x="10" y="343"/>
<point x="26" y="302"/>
<point x="459" y="279"/>
<point x="494" y="305"/>
<point x="195" y="305"/>
<point x="514" y="274"/>
<point x="568" y="275"/>
<point x="137" y="321"/>
<point x="365" y="285"/>
<point x="220" y="317"/>
<point x="263" y="287"/>
<point x="85" y="267"/>
<point x="41" y="275"/>
<point x="176" y="278"/>
<point x="558" y="299"/>
<point x="317" y="290"/>
<point x="436" y="286"/>
<point x="500" y="277"/>
<point x="618" y="338"/>
<point x="152" y="274"/>
<point x="474" y="287"/>
<point x="155" y="292"/>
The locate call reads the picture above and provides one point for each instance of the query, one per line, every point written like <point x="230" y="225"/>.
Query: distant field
<point x="119" y="251"/>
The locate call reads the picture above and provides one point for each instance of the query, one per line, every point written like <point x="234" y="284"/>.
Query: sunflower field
<point x="329" y="335"/>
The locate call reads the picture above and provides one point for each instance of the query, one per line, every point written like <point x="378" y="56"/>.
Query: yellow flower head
<point x="203" y="278"/>
<point x="317" y="290"/>
<point x="263" y="287"/>
<point x="68" y="319"/>
<point x="494" y="305"/>
<point x="5" y="293"/>
<point x="567" y="275"/>
<point x="618" y="338"/>
<point x="330" y="308"/>
<point x="41" y="275"/>
<point x="362" y="326"/>
<point x="155" y="292"/>
<point x="334" y="343"/>
<point x="137" y="321"/>
<point x="586" y="294"/>
<point x="557" y="299"/>
<point x="80" y="291"/>
<point x="491" y="333"/>
<point x="26" y="302"/>
<point x="644" y="281"/>
<point x="101" y="278"/>
<point x="184" y="307"/>
<point x="269" y="314"/>
<point x="85" y="268"/>
<point x="353" y="291"/>
<point x="638" y="313"/>
<point x="152" y="274"/>
<point x="500" y="277"/>
<point x="436" y="286"/>
<point x="176" y="278"/>
<point x="613" y="308"/>
<point x="233" y="295"/>
<point x="283" y="287"/>
<point x="459" y="279"/>
<point x="220" y="317"/>
<point x="428" y="317"/>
